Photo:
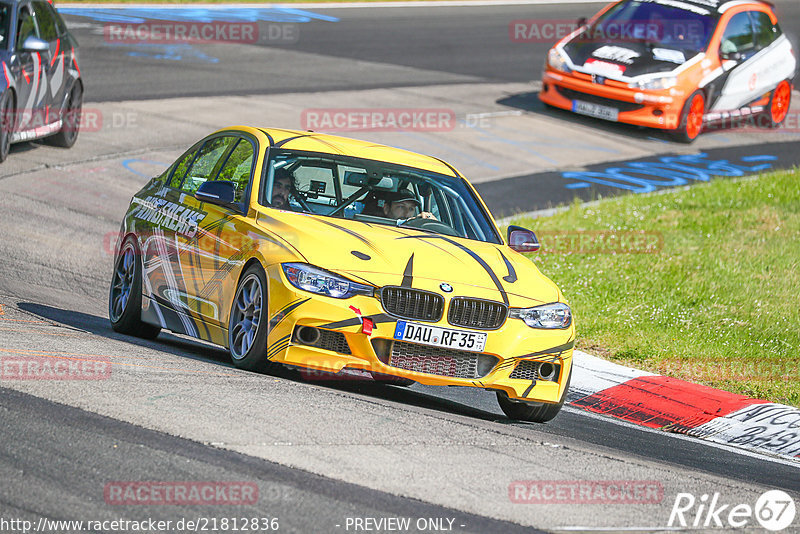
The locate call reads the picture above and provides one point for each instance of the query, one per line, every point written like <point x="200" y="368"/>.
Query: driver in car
<point x="404" y="205"/>
<point x="282" y="189"/>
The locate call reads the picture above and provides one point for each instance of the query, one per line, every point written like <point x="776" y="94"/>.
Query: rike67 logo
<point x="774" y="510"/>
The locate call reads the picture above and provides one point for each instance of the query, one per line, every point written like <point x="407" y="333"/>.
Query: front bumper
<point x="653" y="109"/>
<point x="510" y="361"/>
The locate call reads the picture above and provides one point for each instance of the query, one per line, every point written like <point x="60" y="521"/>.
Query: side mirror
<point x="522" y="240"/>
<point x="221" y="192"/>
<point x="34" y="44"/>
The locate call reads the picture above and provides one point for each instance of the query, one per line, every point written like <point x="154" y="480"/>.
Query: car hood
<point x="385" y="255"/>
<point x="630" y="59"/>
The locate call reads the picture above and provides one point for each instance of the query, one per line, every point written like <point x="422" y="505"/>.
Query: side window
<point x="61" y="26"/>
<point x="25" y="26"/>
<point x="765" y="31"/>
<point x="238" y="168"/>
<point x="46" y="21"/>
<point x="738" y="36"/>
<point x="181" y="167"/>
<point x="5" y="19"/>
<point x="206" y="165"/>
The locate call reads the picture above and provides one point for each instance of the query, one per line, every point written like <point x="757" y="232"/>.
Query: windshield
<point x="669" y="24"/>
<point x="374" y="192"/>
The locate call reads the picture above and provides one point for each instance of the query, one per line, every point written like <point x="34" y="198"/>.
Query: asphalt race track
<point x="322" y="455"/>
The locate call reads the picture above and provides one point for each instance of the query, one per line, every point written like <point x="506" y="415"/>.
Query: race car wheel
<point x="534" y="413"/>
<point x="68" y="134"/>
<point x="125" y="295"/>
<point x="247" y="326"/>
<point x="6" y="125"/>
<point x="691" y="118"/>
<point x="779" y="103"/>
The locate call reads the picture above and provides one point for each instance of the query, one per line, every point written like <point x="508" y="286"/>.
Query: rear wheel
<point x="534" y="413"/>
<point x="247" y="326"/>
<point x="68" y="134"/>
<point x="779" y="103"/>
<point x="691" y="118"/>
<point x="125" y="295"/>
<point x="6" y="124"/>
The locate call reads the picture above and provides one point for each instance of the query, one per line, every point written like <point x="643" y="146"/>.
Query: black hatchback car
<point x="41" y="92"/>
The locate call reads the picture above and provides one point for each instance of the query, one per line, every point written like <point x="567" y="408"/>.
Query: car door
<point x="52" y="91"/>
<point x="754" y="61"/>
<point x="775" y="60"/>
<point x="25" y="68"/>
<point x="223" y="238"/>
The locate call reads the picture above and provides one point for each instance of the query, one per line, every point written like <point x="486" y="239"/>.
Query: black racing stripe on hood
<point x="512" y="274"/>
<point x="408" y="277"/>
<point x="376" y="319"/>
<point x="286" y="310"/>
<point x="358" y="236"/>
<point x="474" y="256"/>
<point x="412" y="233"/>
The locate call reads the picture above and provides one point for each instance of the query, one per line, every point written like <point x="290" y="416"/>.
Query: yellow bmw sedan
<point x="339" y="256"/>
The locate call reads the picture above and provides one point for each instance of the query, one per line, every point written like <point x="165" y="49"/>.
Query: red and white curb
<point x="674" y="405"/>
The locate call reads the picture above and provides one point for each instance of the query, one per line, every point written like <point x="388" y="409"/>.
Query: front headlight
<point x="556" y="315"/>
<point x="557" y="61"/>
<point x="310" y="278"/>
<point x="655" y="84"/>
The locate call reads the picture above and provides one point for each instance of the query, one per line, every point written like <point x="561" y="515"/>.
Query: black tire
<point x="68" y="134"/>
<point x="246" y="311"/>
<point x="534" y="413"/>
<point x="6" y="124"/>
<point x="125" y="294"/>
<point x="688" y="130"/>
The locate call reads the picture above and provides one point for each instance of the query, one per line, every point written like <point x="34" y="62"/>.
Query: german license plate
<point x="440" y="337"/>
<point x="595" y="110"/>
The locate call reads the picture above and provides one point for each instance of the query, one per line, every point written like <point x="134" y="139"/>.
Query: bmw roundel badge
<point x="447" y="288"/>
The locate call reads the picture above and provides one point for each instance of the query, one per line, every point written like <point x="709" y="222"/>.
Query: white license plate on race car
<point x="595" y="110"/>
<point x="440" y="337"/>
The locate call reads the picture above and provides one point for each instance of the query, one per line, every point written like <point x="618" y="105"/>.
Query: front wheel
<point x="534" y="413"/>
<point x="71" y="120"/>
<point x="125" y="295"/>
<point x="247" y="326"/>
<point x="691" y="118"/>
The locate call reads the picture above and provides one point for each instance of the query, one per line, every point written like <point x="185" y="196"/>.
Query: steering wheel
<point x="431" y="225"/>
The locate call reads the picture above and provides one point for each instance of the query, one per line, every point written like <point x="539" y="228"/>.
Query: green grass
<point x="719" y="304"/>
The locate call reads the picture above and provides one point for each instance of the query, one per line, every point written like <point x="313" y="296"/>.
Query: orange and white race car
<point x="677" y="65"/>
